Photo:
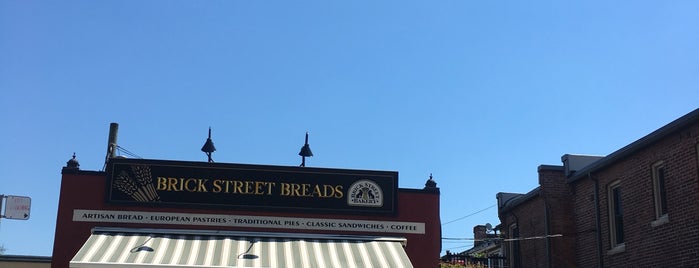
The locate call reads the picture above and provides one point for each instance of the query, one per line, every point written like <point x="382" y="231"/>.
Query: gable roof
<point x="518" y="199"/>
<point x="638" y="145"/>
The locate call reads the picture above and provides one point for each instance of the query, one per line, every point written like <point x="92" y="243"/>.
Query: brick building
<point x="162" y="213"/>
<point x="636" y="207"/>
<point x="486" y="251"/>
<point x="537" y="225"/>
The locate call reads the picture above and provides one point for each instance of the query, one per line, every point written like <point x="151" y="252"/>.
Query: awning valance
<point x="118" y="248"/>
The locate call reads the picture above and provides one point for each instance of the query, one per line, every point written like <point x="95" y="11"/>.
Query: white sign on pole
<point x="17" y="207"/>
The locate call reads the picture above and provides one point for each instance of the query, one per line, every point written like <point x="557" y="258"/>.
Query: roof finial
<point x="430" y="184"/>
<point x="208" y="147"/>
<point x="73" y="163"/>
<point x="305" y="151"/>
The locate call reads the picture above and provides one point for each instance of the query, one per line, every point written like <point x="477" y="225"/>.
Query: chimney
<point x="479" y="235"/>
<point x="573" y="163"/>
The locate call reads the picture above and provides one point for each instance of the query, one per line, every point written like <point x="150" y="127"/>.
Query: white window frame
<point x="660" y="192"/>
<point x="513" y="246"/>
<point x="615" y="227"/>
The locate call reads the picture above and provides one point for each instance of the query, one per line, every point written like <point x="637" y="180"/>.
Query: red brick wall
<point x="547" y="213"/>
<point x="585" y="223"/>
<point x="556" y="194"/>
<point x="529" y="217"/>
<point x="673" y="244"/>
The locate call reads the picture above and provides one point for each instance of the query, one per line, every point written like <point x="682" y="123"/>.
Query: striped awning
<point x="179" y="248"/>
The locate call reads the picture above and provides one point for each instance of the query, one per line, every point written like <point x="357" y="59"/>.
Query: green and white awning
<point x="118" y="248"/>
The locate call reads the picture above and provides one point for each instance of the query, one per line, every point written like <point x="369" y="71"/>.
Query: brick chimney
<point x="479" y="235"/>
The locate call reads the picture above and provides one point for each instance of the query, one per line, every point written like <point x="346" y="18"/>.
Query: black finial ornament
<point x="430" y="183"/>
<point x="305" y="152"/>
<point x="73" y="163"/>
<point x="208" y="147"/>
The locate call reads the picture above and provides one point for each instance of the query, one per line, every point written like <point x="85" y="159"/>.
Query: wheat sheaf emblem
<point x="138" y="185"/>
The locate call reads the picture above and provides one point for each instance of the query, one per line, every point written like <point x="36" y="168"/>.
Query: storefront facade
<point x="160" y="213"/>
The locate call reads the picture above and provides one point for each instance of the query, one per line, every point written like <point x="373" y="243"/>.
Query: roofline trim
<point x="637" y="145"/>
<point x="522" y="198"/>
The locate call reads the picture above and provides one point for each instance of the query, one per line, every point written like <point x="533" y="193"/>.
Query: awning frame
<point x="402" y="240"/>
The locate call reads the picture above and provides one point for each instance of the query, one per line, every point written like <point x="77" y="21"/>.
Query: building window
<point x="616" y="219"/>
<point x="659" y="193"/>
<point x="514" y="257"/>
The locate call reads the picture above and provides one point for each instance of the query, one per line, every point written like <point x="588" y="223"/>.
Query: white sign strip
<point x="344" y="225"/>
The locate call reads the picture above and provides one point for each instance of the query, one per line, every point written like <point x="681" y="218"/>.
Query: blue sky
<point x="478" y="93"/>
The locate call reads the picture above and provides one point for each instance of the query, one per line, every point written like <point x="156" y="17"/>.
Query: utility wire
<point x="127" y="152"/>
<point x="120" y="150"/>
<point x="459" y="247"/>
<point x="503" y="239"/>
<point x="469" y="215"/>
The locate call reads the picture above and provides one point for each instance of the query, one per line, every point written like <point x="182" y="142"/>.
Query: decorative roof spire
<point x="430" y="184"/>
<point x="305" y="151"/>
<point x="73" y="163"/>
<point x="208" y="147"/>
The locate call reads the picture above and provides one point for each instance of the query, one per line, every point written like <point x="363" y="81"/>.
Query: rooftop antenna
<point x="305" y="152"/>
<point x="208" y="147"/>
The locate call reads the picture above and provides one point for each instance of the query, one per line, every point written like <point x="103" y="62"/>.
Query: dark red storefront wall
<point x="86" y="190"/>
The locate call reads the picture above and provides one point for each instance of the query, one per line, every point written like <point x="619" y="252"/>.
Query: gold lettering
<point x="228" y="184"/>
<point x="331" y="192"/>
<point x="317" y="192"/>
<point x="258" y="187"/>
<point x="338" y="192"/>
<point x="307" y="190"/>
<point x="172" y="184"/>
<point x="248" y="187"/>
<point x="187" y="183"/>
<point x="162" y="183"/>
<point x="237" y="187"/>
<point x="269" y="187"/>
<point x="216" y="186"/>
<point x="295" y="188"/>
<point x="285" y="189"/>
<point x="202" y="185"/>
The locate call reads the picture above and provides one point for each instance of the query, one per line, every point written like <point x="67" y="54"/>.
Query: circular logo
<point x="365" y="193"/>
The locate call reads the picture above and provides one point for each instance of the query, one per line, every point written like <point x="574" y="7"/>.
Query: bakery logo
<point x="137" y="183"/>
<point x="365" y="193"/>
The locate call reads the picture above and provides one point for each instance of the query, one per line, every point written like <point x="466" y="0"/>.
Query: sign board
<point x="248" y="221"/>
<point x="258" y="187"/>
<point x="17" y="207"/>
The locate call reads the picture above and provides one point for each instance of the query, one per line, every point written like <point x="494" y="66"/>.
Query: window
<point x="514" y="246"/>
<point x="659" y="195"/>
<point x="616" y="219"/>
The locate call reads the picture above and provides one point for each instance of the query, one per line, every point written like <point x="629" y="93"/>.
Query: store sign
<point x="170" y="183"/>
<point x="342" y="225"/>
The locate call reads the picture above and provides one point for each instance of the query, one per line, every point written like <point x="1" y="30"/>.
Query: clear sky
<point x="478" y="93"/>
